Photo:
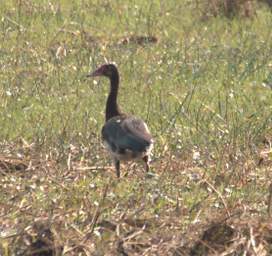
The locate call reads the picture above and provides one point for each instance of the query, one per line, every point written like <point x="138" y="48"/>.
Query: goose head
<point x="107" y="70"/>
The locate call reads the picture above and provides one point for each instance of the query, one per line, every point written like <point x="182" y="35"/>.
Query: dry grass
<point x="52" y="208"/>
<point x="230" y="8"/>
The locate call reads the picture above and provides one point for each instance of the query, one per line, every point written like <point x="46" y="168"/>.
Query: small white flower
<point x="196" y="156"/>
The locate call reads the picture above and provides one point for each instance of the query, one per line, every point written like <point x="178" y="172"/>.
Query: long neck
<point x="112" y="108"/>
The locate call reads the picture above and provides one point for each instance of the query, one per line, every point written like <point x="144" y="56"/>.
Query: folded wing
<point x="127" y="134"/>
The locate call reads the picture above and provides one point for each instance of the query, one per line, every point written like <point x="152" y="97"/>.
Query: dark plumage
<point x="126" y="137"/>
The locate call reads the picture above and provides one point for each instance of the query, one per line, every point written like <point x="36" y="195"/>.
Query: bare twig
<point x="269" y="200"/>
<point x="219" y="195"/>
<point x="92" y="168"/>
<point x="69" y="162"/>
<point x="253" y="241"/>
<point x="96" y="213"/>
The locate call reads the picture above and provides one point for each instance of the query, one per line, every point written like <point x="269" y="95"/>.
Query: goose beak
<point x="98" y="72"/>
<point x="93" y="74"/>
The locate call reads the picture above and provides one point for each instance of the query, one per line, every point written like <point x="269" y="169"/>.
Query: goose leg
<point x="117" y="167"/>
<point x="146" y="160"/>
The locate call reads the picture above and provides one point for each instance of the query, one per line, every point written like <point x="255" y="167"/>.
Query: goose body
<point x="126" y="137"/>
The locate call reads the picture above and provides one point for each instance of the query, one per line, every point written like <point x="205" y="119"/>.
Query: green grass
<point x="200" y="89"/>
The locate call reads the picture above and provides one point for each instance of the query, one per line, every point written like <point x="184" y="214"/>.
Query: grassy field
<point x="203" y="85"/>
